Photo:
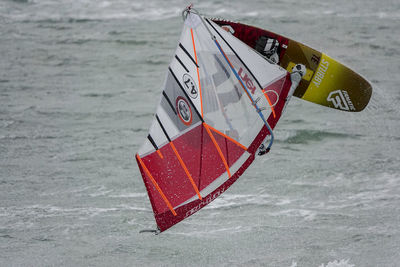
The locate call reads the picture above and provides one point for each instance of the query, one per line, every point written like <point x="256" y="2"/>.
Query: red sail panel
<point x="204" y="164"/>
<point x="201" y="159"/>
<point x="167" y="219"/>
<point x="280" y="87"/>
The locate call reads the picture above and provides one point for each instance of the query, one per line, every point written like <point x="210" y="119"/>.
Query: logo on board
<point x="341" y="100"/>
<point x="321" y="71"/>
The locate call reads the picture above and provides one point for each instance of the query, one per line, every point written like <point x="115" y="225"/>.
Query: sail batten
<point x="187" y="53"/>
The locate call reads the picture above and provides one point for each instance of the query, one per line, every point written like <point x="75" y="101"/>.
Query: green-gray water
<point x="79" y="82"/>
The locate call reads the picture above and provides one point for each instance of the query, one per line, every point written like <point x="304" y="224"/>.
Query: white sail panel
<point x="262" y="70"/>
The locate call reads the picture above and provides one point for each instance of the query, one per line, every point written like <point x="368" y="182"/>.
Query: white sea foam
<point x="307" y="215"/>
<point x="317" y="194"/>
<point x="129" y="195"/>
<point x="236" y="200"/>
<point x="47" y="211"/>
<point x="336" y="263"/>
<point x="97" y="10"/>
<point x="215" y="231"/>
<point x="101" y="191"/>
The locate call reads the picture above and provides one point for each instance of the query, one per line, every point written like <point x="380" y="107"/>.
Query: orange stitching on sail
<point x="156" y="185"/>
<point x="240" y="81"/>
<point x="197" y="68"/>
<point x="269" y="102"/>
<point x="186" y="170"/>
<point x="160" y="154"/>
<point x="228" y="137"/>
<point x="218" y="149"/>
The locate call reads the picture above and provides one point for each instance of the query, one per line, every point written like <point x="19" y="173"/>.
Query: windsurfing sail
<point x="219" y="102"/>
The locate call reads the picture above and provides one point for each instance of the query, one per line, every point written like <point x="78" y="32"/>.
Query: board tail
<point x="336" y="86"/>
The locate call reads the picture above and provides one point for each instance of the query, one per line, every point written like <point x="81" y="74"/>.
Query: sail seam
<point x="218" y="149"/>
<point x="156" y="185"/>
<point x="198" y="73"/>
<point x="228" y="137"/>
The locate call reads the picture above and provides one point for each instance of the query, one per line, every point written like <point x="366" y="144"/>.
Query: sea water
<point x="79" y="83"/>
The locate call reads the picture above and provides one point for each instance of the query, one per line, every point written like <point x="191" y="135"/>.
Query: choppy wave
<point x="79" y="84"/>
<point x="198" y="232"/>
<point x="305" y="136"/>
<point x="340" y="263"/>
<point x="34" y="212"/>
<point x="92" y="11"/>
<point x="335" y="263"/>
<point x="32" y="137"/>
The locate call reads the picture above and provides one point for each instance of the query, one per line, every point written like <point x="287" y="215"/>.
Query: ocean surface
<point x="79" y="83"/>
